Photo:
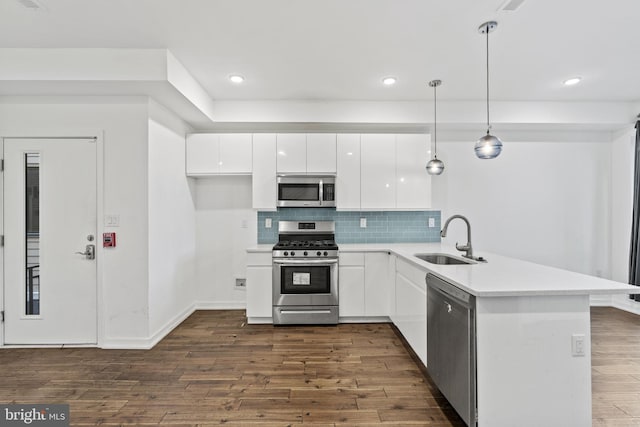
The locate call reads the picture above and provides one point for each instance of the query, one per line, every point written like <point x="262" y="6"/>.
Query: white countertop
<point x="499" y="276"/>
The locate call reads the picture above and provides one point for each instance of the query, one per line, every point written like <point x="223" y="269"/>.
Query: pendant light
<point x="435" y="166"/>
<point x="488" y="146"/>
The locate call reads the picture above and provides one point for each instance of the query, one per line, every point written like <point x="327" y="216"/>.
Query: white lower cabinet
<point x="377" y="282"/>
<point x="351" y="285"/>
<point x="363" y="282"/>
<point x="259" y="288"/>
<point x="411" y="307"/>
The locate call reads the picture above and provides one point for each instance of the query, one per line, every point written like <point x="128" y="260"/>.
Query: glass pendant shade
<point x="435" y="166"/>
<point x="488" y="147"/>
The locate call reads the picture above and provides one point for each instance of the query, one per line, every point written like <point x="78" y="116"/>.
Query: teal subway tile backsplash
<point x="382" y="226"/>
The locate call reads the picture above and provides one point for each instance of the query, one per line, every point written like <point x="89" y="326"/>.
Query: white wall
<point x="123" y="121"/>
<point x="622" y="158"/>
<point x="543" y="202"/>
<point x="622" y="169"/>
<point x="172" y="233"/>
<point x="226" y="225"/>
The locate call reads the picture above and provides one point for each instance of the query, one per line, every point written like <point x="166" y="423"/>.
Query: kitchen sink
<point x="442" y="259"/>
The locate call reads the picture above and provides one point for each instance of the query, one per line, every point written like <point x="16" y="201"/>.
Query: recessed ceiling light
<point x="236" y="78"/>
<point x="572" y="81"/>
<point x="390" y="80"/>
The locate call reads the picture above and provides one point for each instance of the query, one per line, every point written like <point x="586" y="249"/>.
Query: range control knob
<point x="286" y="253"/>
<point x="318" y="253"/>
<point x="326" y="253"/>
<point x="293" y="253"/>
<point x="306" y="253"/>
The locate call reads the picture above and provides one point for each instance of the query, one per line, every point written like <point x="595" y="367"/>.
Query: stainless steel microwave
<point x="306" y="191"/>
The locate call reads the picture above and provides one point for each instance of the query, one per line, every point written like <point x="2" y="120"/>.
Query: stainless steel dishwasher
<point x="451" y="345"/>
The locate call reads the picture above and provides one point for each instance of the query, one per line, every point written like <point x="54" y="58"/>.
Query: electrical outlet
<point x="432" y="222"/>
<point x="241" y="283"/>
<point x="267" y="223"/>
<point x="363" y="222"/>
<point x="577" y="345"/>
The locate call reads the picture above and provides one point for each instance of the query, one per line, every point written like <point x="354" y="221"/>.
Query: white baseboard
<point x="624" y="303"/>
<point x="148" y="343"/>
<point x="221" y="305"/>
<point x="378" y="319"/>
<point x="260" y="320"/>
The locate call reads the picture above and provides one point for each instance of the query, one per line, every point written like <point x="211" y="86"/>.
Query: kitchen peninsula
<point x="532" y="323"/>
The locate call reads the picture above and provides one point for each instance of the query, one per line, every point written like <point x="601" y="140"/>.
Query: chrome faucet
<point x="466" y="248"/>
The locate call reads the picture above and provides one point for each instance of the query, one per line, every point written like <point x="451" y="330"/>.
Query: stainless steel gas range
<point x="305" y="273"/>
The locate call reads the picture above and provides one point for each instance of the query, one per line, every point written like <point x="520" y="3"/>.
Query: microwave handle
<point x="321" y="192"/>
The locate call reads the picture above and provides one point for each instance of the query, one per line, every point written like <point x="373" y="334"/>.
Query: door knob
<point x="89" y="252"/>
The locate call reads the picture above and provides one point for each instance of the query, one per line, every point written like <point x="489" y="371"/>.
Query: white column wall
<point x="226" y="226"/>
<point x="545" y="202"/>
<point x="622" y="169"/>
<point x="123" y="121"/>
<point x="172" y="234"/>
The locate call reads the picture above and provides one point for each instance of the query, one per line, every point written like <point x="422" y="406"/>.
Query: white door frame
<point x="98" y="134"/>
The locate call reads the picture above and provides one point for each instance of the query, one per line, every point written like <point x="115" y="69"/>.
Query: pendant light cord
<point x="435" y="124"/>
<point x="488" y="126"/>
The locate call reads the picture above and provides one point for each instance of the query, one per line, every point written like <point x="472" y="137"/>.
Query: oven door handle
<point x="305" y="261"/>
<point x="305" y="311"/>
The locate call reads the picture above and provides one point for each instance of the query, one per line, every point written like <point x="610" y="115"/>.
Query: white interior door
<point x="49" y="216"/>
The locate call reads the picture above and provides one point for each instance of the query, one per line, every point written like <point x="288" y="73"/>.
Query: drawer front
<point x="414" y="274"/>
<point x="351" y="258"/>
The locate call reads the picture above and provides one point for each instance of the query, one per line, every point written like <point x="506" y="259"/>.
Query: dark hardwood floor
<point x="214" y="369"/>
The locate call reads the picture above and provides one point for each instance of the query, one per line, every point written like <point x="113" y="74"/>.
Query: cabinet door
<point x="264" y="171"/>
<point x="203" y="154"/>
<point x="259" y="291"/>
<point x="378" y="173"/>
<point x="292" y="153"/>
<point x="348" y="172"/>
<point x="376" y="284"/>
<point x="351" y="291"/>
<point x="412" y="180"/>
<point x="321" y="153"/>
<point x="411" y="315"/>
<point x="235" y="153"/>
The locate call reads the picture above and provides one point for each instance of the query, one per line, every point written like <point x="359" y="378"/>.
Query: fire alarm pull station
<point x="108" y="240"/>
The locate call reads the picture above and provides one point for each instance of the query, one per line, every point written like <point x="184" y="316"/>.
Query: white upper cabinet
<point x="348" y="172"/>
<point x="378" y="171"/>
<point x="292" y="153"/>
<point x="264" y="171"/>
<point x="313" y="153"/>
<point x="321" y="153"/>
<point x="203" y="154"/>
<point x="235" y="153"/>
<point x="213" y="154"/>
<point x="413" y="183"/>
<point x="393" y="174"/>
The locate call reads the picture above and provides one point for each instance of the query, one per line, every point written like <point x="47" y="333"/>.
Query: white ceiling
<point x="340" y="49"/>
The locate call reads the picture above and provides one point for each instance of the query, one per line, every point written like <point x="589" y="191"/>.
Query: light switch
<point x="112" y="220"/>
